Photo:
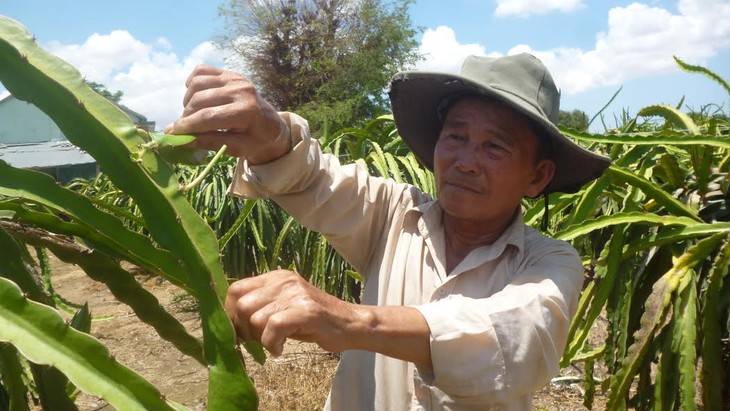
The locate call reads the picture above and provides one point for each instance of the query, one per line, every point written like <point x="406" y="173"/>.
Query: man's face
<point x="485" y="161"/>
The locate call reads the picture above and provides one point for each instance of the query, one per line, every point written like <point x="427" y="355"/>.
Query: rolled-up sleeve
<point x="508" y="344"/>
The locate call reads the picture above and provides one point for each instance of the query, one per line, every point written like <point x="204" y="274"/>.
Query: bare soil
<point x="298" y="380"/>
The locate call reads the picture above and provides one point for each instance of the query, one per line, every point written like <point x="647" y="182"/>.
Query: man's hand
<point x="222" y="107"/>
<point x="280" y="304"/>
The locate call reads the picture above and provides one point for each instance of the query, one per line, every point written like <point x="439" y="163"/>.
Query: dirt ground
<point x="298" y="380"/>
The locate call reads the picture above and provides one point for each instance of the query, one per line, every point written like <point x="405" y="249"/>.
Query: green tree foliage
<point x="329" y="60"/>
<point x="575" y="119"/>
<point x="114" y="97"/>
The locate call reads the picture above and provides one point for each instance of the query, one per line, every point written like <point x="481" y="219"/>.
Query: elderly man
<point x="464" y="306"/>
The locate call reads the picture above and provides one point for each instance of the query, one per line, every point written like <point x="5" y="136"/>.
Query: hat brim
<point x="415" y="97"/>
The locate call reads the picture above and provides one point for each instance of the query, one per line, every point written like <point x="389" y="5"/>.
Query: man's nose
<point x="466" y="160"/>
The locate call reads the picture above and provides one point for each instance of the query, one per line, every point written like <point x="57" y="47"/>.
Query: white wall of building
<point x="21" y="122"/>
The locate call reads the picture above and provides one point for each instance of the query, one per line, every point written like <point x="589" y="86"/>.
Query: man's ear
<point x="543" y="175"/>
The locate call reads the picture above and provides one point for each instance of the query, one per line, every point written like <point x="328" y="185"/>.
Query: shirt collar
<point x="431" y="222"/>
<point x="513" y="235"/>
<point x="430" y="217"/>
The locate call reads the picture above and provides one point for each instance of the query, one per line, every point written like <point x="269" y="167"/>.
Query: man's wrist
<point x="276" y="148"/>
<point x="398" y="332"/>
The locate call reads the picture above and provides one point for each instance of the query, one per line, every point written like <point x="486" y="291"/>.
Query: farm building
<point x="30" y="139"/>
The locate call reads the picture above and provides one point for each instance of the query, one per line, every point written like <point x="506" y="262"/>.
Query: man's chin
<point x="463" y="197"/>
<point x="461" y="207"/>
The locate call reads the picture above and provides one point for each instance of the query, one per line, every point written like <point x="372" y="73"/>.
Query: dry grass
<point x="298" y="380"/>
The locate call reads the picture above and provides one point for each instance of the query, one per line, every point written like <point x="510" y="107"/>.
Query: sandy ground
<point x="298" y="380"/>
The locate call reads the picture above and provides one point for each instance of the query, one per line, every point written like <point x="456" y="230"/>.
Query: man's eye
<point x="456" y="137"/>
<point x="494" y="146"/>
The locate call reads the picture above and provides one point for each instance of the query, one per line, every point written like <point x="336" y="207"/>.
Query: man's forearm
<point x="398" y="332"/>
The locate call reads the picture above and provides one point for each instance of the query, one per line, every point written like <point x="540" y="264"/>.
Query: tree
<point x="576" y="119"/>
<point x="329" y="60"/>
<point x="114" y="97"/>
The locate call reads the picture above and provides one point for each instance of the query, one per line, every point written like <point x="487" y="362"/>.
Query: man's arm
<point x="279" y="160"/>
<point x="353" y="209"/>
<point x="480" y="350"/>
<point x="281" y="304"/>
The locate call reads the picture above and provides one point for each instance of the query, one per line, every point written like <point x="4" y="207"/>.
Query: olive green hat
<point x="520" y="81"/>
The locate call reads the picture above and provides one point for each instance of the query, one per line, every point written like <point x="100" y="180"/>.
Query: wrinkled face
<point x="485" y="161"/>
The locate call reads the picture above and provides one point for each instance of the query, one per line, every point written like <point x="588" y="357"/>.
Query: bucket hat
<point x="521" y="82"/>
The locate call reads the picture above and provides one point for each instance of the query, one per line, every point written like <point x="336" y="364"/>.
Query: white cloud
<point x="163" y="43"/>
<point x="100" y="55"/>
<point x="442" y="52"/>
<point x="151" y="76"/>
<point x="525" y="8"/>
<point x="206" y="51"/>
<point x="640" y="41"/>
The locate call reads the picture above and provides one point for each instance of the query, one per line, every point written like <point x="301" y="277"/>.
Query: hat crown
<point x="521" y="75"/>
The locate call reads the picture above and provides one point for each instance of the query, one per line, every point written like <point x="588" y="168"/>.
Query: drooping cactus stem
<point x="205" y="171"/>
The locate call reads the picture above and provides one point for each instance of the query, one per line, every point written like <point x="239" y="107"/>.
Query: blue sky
<point x="147" y="48"/>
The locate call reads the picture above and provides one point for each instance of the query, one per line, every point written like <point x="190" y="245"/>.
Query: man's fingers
<point x="211" y="119"/>
<point x="202" y="70"/>
<point x="252" y="313"/>
<point x="238" y="314"/>
<point x="241" y="323"/>
<point x="216" y="139"/>
<point x="270" y="308"/>
<point x="250" y="304"/>
<point x="220" y="82"/>
<point x="200" y="84"/>
<point x="279" y="326"/>
<point x="211" y="97"/>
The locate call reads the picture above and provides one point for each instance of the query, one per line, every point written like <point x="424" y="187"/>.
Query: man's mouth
<point x="462" y="185"/>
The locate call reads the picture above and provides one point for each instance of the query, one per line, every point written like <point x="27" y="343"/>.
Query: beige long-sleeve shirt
<point x="498" y="322"/>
